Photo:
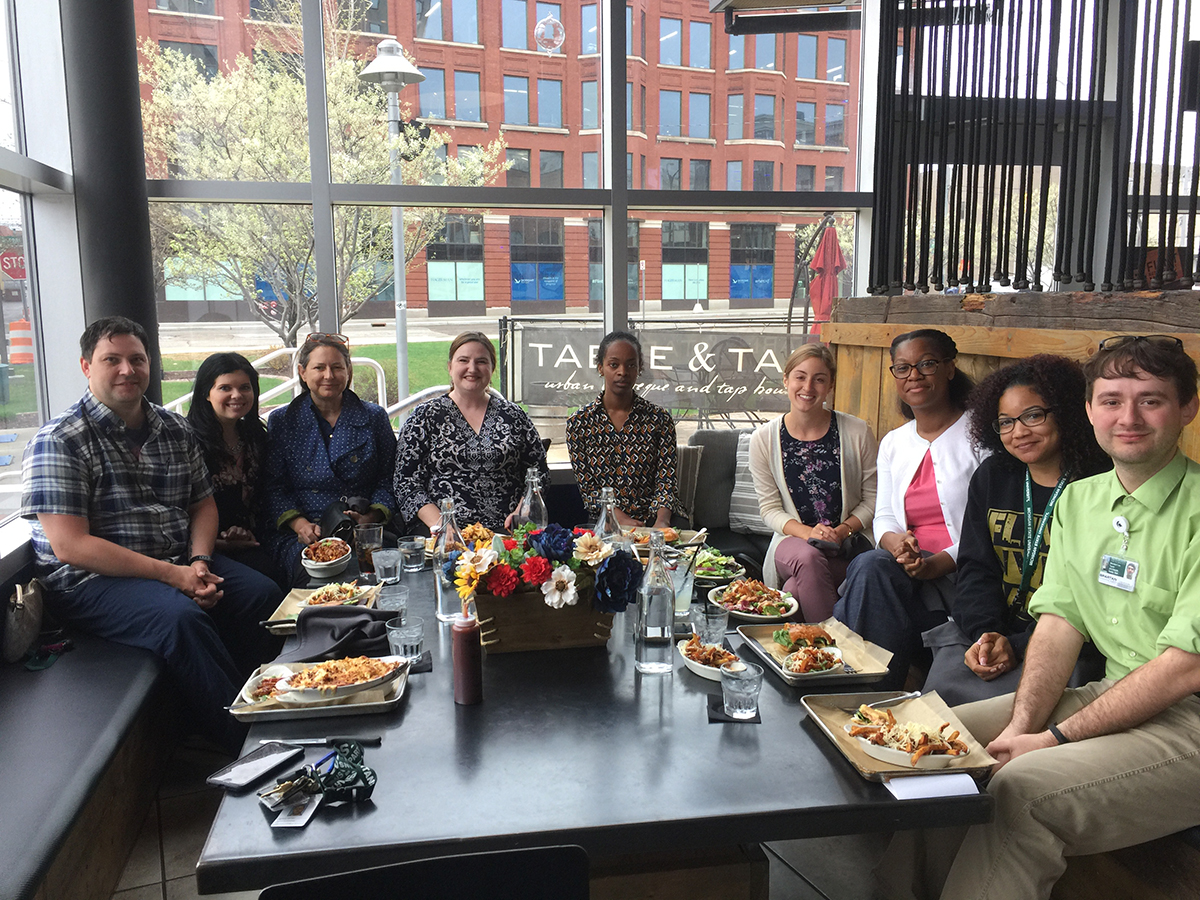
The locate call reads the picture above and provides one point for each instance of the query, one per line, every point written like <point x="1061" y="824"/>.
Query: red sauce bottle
<point x="468" y="660"/>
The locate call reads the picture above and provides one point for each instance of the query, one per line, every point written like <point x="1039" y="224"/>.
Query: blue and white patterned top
<point x="82" y="464"/>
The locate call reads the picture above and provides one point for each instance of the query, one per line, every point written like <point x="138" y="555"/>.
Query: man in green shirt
<point x="1116" y="762"/>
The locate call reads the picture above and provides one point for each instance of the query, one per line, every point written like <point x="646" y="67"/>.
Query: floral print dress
<point x="813" y="472"/>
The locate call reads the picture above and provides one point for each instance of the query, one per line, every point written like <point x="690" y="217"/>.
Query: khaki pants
<point x="1073" y="800"/>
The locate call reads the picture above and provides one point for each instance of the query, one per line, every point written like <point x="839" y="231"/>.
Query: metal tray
<point x="283" y="620"/>
<point x="867" y="662"/>
<point x="361" y="704"/>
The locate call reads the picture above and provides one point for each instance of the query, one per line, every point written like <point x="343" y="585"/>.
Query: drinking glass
<point x="412" y="551"/>
<point x="393" y="597"/>
<point x="406" y="637"/>
<point x="740" y="684"/>
<point x="709" y="621"/>
<point x="367" y="539"/>
<point x="387" y="566"/>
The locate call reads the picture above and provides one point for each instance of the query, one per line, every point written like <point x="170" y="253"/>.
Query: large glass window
<point x="733" y="175"/>
<point x="516" y="100"/>
<point x="549" y="103"/>
<point x="734" y="118"/>
<point x="537" y="253"/>
<point x="591" y="105"/>
<point x="835" y="125"/>
<point x="764" y="51"/>
<point x="465" y="19"/>
<point x="433" y="94"/>
<point x="700" y="45"/>
<point x="764" y="117"/>
<point x="551" y="11"/>
<point x="670" y="42"/>
<point x="699" y="115"/>
<point x="737" y="52"/>
<point x="591" y="170"/>
<point x="195" y="7"/>
<point x="454" y="263"/>
<point x="806" y="178"/>
<point x="514" y="25"/>
<point x="671" y="174"/>
<point x="806" y="123"/>
<point x="834" y="176"/>
<point x="429" y="19"/>
<point x="806" y="56"/>
<point x="518" y="169"/>
<point x="466" y="96"/>
<point x="684" y="264"/>
<point x="835" y="59"/>
<point x="590" y="42"/>
<point x="764" y="175"/>
<point x="751" y="265"/>
<point x="628" y="106"/>
<point x="699" y="175"/>
<point x="550" y="168"/>
<point x="669" y="113"/>
<point x="204" y="55"/>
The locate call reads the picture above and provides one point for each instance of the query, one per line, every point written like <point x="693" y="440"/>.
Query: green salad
<point x="712" y="565"/>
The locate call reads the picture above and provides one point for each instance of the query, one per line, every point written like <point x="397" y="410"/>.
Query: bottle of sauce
<point x="468" y="660"/>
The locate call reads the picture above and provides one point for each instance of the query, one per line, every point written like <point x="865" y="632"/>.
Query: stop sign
<point x="12" y="264"/>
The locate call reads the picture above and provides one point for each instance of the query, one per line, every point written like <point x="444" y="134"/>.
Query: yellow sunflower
<point x="466" y="581"/>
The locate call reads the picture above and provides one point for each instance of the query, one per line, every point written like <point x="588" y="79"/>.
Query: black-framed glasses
<point x="1035" y="415"/>
<point x="327" y="336"/>
<point x="925" y="367"/>
<point x="1120" y="340"/>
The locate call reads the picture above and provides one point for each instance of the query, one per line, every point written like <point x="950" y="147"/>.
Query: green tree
<point x="249" y="123"/>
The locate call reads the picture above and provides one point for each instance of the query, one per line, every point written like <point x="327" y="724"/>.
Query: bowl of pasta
<point x="326" y="558"/>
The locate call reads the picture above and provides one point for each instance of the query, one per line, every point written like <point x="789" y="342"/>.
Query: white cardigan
<point x="858" y="450"/>
<point x="954" y="461"/>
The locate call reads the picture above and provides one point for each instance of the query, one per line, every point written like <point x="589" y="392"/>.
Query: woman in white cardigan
<point x="814" y="473"/>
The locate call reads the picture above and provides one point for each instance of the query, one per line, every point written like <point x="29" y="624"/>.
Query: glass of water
<point x="709" y="621"/>
<point x="387" y="566"/>
<point x="393" y="597"/>
<point x="406" y="637"/>
<point x="740" y="684"/>
<point x="412" y="551"/>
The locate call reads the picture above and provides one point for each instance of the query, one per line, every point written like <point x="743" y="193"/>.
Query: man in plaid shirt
<point x="124" y="528"/>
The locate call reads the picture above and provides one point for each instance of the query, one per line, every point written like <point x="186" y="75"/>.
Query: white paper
<point x="950" y="784"/>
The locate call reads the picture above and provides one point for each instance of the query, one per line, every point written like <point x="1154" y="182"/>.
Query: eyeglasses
<point x="1035" y="415"/>
<point x="925" y="367"/>
<point x="319" y="336"/>
<point x="1120" y="340"/>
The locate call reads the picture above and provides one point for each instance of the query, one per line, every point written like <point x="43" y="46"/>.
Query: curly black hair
<point x="1060" y="383"/>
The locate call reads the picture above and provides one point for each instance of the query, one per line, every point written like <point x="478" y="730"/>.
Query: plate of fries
<point x="704" y="659"/>
<point x="896" y="743"/>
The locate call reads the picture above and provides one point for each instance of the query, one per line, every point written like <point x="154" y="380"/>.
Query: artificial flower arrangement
<point x="562" y="564"/>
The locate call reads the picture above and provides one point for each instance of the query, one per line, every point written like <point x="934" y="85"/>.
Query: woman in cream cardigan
<point x="814" y="473"/>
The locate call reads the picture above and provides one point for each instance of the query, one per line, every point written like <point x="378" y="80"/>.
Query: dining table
<point x="569" y="746"/>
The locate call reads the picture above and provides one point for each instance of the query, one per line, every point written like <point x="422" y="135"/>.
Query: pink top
<point x="923" y="509"/>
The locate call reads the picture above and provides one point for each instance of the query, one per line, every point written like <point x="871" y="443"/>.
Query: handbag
<point x="22" y="621"/>
<point x="334" y="521"/>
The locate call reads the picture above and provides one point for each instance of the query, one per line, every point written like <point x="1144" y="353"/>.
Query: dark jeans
<point x="209" y="653"/>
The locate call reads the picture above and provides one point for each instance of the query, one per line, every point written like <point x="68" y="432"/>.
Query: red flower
<point x="536" y="570"/>
<point x="502" y="580"/>
<point x="510" y="544"/>
<point x="581" y="531"/>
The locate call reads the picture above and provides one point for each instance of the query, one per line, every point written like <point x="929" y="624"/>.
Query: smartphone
<point x="242" y="773"/>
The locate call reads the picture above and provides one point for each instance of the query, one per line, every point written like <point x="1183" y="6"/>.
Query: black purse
<point x="334" y="521"/>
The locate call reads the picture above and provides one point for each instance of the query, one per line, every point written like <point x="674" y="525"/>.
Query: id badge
<point x="1118" y="572"/>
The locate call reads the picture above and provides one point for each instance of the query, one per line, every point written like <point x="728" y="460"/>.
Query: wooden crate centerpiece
<point x="523" y="621"/>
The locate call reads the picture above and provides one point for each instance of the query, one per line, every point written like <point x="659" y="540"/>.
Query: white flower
<point x="480" y="559"/>
<point x="592" y="550"/>
<point x="560" y="589"/>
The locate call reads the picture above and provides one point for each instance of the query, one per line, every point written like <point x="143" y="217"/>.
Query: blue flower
<point x="554" y="542"/>
<point x="617" y="582"/>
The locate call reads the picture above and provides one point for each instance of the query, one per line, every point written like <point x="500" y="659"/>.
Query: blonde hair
<point x="811" y="351"/>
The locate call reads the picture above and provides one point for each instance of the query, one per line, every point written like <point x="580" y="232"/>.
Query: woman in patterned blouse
<point x="622" y="441"/>
<point x="467" y="446"/>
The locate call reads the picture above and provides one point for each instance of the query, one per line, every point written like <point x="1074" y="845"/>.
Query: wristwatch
<point x="200" y="557"/>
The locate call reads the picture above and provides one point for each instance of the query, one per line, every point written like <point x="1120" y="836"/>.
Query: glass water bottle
<point x="607" y="527"/>
<point x="532" y="507"/>
<point x="448" y="540"/>
<point x="655" y="615"/>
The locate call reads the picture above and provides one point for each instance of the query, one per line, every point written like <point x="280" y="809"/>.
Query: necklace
<point x="235" y="449"/>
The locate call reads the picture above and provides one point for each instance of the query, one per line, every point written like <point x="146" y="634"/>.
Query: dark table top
<point x="568" y="746"/>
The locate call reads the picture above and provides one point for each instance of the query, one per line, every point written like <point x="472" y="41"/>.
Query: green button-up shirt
<point x="1129" y="627"/>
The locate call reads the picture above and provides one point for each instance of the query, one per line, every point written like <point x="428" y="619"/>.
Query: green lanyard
<point x="1034" y="538"/>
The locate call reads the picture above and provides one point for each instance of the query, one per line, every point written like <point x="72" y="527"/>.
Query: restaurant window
<point x="518" y="170"/>
<point x="670" y="42"/>
<point x="537" y="254"/>
<point x="764" y="51"/>
<point x="685" y="264"/>
<point x="764" y="175"/>
<point x="764" y="117"/>
<point x="833" y="178"/>
<point x="671" y="174"/>
<point x="737" y="52"/>
<point x="465" y="20"/>
<point x="751" y="265"/>
<point x="806" y="56"/>
<point x="554" y="11"/>
<point x="550" y="168"/>
<point x="806" y="123"/>
<point x="466" y="97"/>
<point x="629" y="106"/>
<point x="591" y="170"/>
<point x="596" y="264"/>
<point x="734" y="118"/>
<point x="835" y="59"/>
<point x="700" y="45"/>
<point x="196" y="7"/>
<point x="806" y="178"/>
<point x="454" y="262"/>
<point x="733" y="175"/>
<point x="591" y="105"/>
<point x="699" y="174"/>
<point x="433" y="94"/>
<point x="516" y="100"/>
<point x="669" y="113"/>
<point x="429" y="19"/>
<point x="514" y="25"/>
<point x="589" y="42"/>
<point x="835" y="125"/>
<point x="549" y="103"/>
<point x="204" y="54"/>
<point x="699" y="115"/>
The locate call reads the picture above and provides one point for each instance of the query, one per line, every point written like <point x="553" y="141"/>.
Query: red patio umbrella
<point x="827" y="263"/>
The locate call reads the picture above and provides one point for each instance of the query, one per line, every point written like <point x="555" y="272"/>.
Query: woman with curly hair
<point x="1030" y="417"/>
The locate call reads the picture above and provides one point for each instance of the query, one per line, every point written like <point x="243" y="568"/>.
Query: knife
<point x="369" y="741"/>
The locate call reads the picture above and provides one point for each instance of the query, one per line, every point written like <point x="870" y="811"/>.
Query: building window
<point x="454" y="260"/>
<point x="465" y="19"/>
<point x="591" y="170"/>
<point x="554" y="11"/>
<point x="589" y="42"/>
<point x="764" y="51"/>
<point x="699" y="115"/>
<point x="536" y="258"/>
<point x="751" y="262"/>
<point x="735" y="118"/>
<point x="806" y="56"/>
<point x="806" y="178"/>
<point x="433" y="94"/>
<point x="806" y="123"/>
<point x="196" y="7"/>
<point x="835" y="59"/>
<point x="699" y="175"/>
<point x="737" y="51"/>
<point x="596" y="261"/>
<point x="429" y="19"/>
<point x="642" y="110"/>
<point x="550" y="168"/>
<point x="685" y="261"/>
<point x="670" y="42"/>
<point x="833" y="178"/>
<point x="466" y="97"/>
<point x="628" y="106"/>
<point x="591" y="105"/>
<point x="764" y="117"/>
<point x="700" y="45"/>
<point x="204" y="54"/>
<point x="764" y="175"/>
<point x="549" y="103"/>
<point x="629" y="171"/>
<point x="516" y="100"/>
<point x="514" y="25"/>
<point x="670" y="173"/>
<point x="835" y="125"/>
<point x="670" y="113"/>
<point x="733" y="175"/>
<point x="518" y="172"/>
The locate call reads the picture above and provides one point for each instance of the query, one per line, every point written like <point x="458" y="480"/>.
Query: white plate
<point x="310" y="696"/>
<point x="900" y="758"/>
<point x="714" y="597"/>
<point x="834" y="669"/>
<point x="709" y="672"/>
<point x="276" y="671"/>
<point x="354" y="600"/>
<point x="740" y="572"/>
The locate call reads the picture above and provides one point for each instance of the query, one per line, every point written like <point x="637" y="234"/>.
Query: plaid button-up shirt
<point x="82" y="464"/>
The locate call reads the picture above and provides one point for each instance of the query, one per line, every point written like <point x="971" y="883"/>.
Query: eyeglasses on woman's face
<point x="925" y="367"/>
<point x="1033" y="416"/>
<point x="1120" y="340"/>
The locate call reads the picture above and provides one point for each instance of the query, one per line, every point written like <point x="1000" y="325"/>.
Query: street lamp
<point x="391" y="71"/>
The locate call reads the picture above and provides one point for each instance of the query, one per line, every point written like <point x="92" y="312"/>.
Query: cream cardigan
<point x="858" y="449"/>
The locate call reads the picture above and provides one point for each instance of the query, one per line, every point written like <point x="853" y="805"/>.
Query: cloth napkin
<point x="337" y="632"/>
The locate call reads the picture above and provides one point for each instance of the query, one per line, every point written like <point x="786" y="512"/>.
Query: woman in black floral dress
<point x="468" y="446"/>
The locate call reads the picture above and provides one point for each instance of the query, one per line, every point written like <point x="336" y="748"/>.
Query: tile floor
<point x="162" y="865"/>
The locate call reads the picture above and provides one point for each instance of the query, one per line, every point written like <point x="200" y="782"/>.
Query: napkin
<point x="336" y="632"/>
<point x="716" y="712"/>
